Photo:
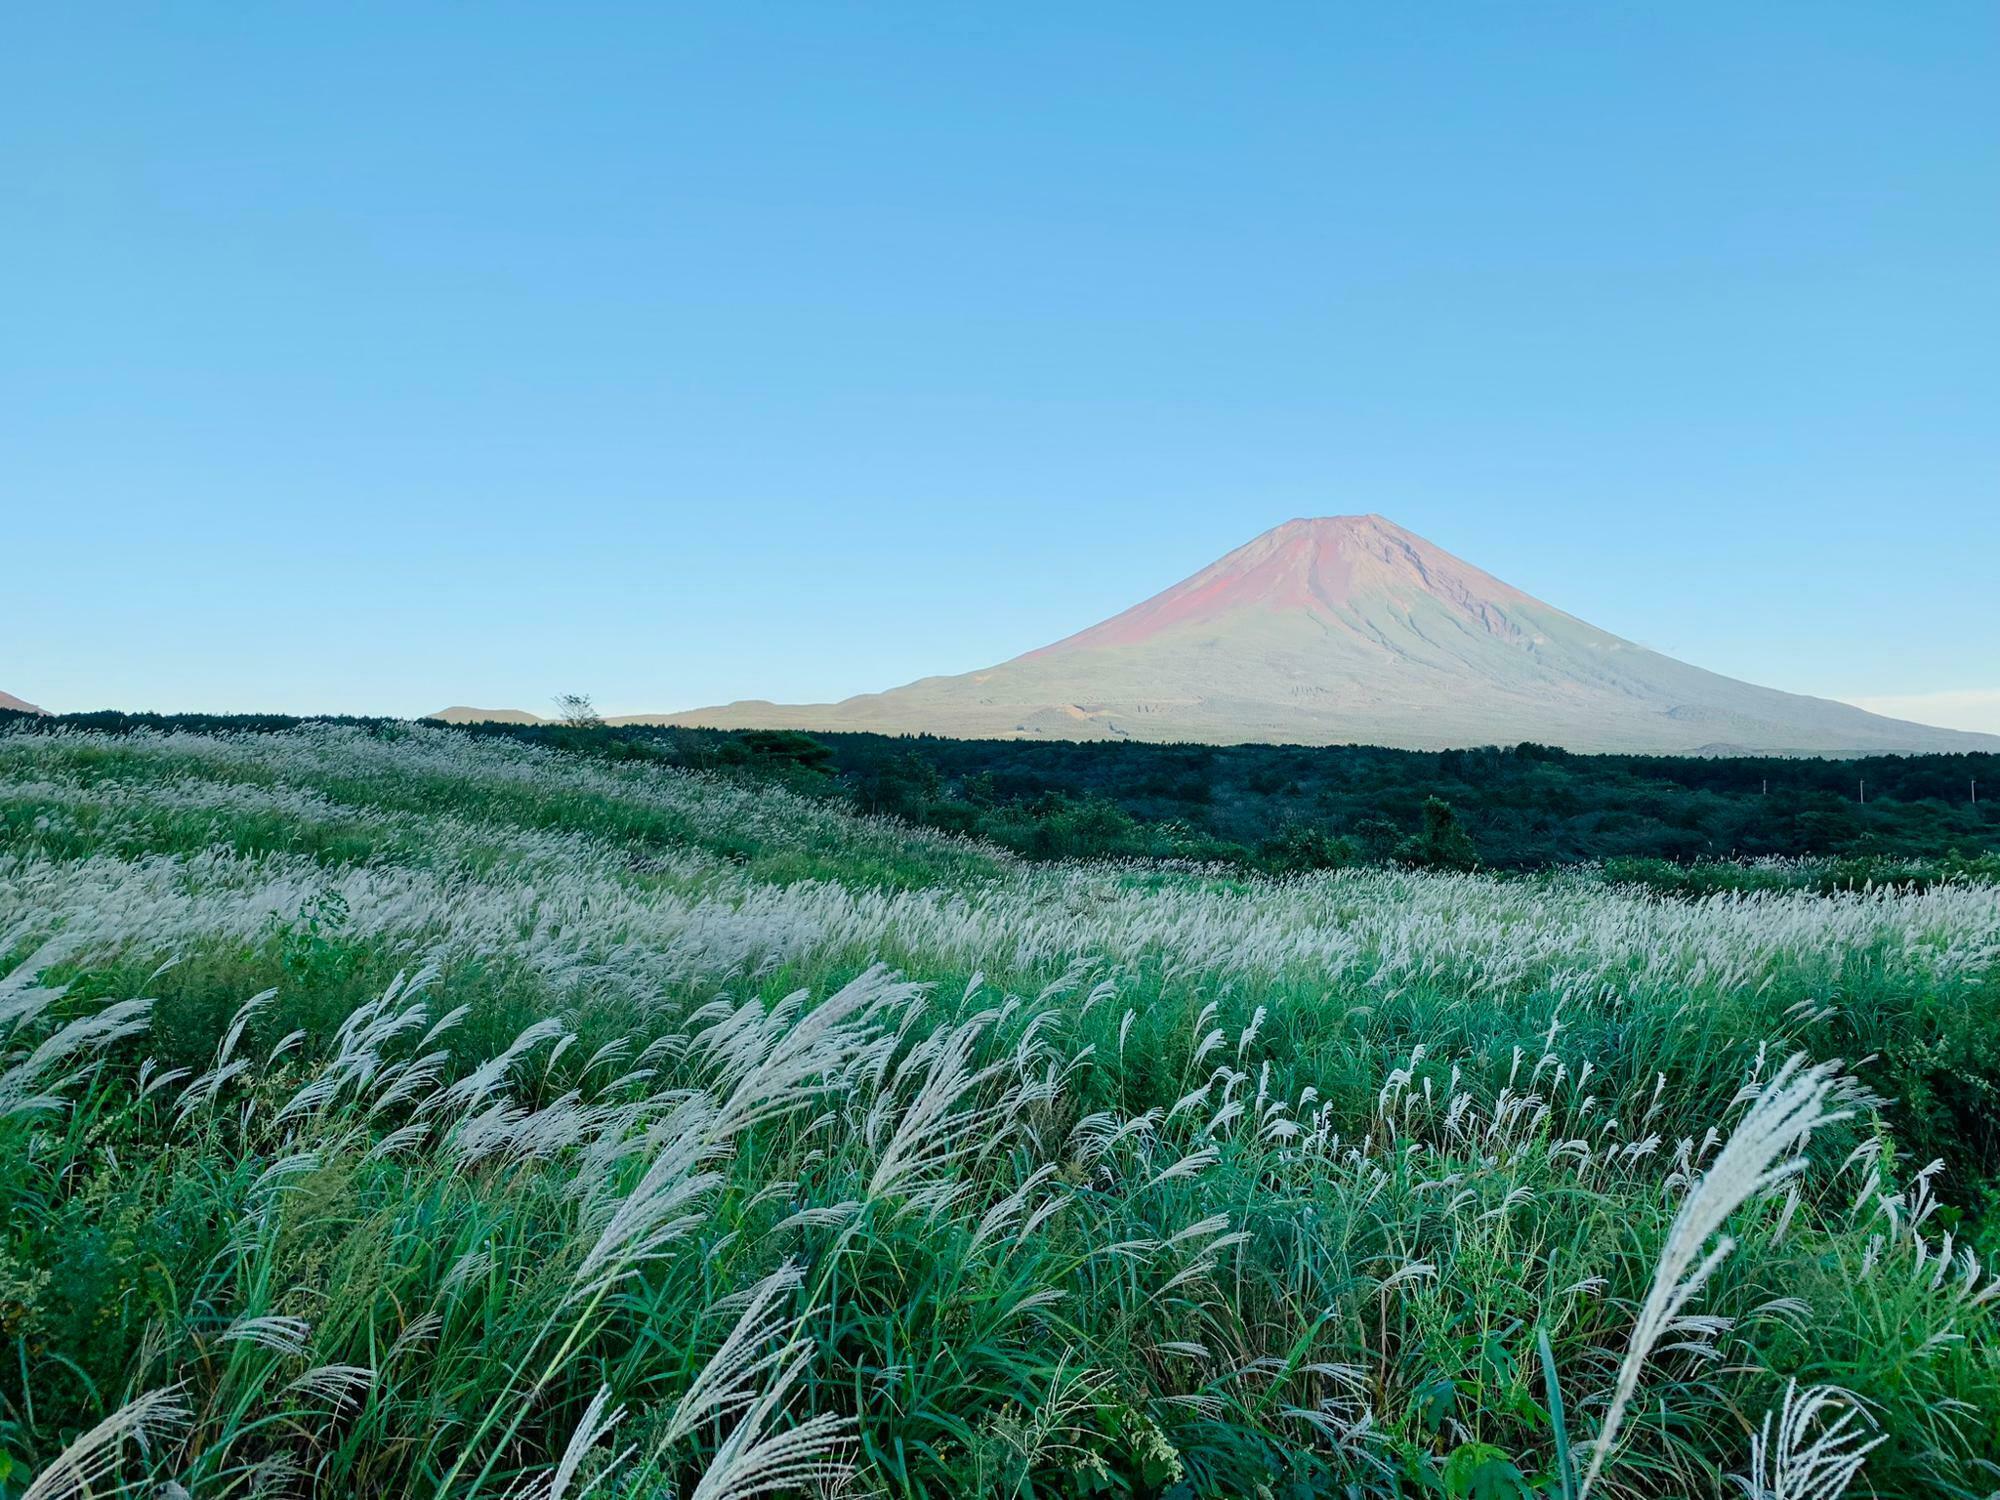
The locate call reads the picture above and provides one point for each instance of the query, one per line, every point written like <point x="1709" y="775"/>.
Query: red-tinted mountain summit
<point x="1351" y="629"/>
<point x="17" y="705"/>
<point x="1326" y="569"/>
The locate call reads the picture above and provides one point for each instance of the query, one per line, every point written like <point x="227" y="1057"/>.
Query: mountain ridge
<point x="459" y="713"/>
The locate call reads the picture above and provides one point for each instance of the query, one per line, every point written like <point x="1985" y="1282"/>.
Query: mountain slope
<point x="17" y="705"/>
<point x="1351" y="629"/>
<point x="460" y="714"/>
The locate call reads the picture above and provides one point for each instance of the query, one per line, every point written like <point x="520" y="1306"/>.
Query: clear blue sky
<point x="375" y="357"/>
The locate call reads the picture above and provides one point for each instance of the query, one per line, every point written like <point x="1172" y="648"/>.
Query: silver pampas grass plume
<point x="1760" y="1154"/>
<point x="83" y="1467"/>
<point x="1815" y="1451"/>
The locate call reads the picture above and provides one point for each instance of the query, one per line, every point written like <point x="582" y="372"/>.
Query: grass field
<point x="404" y="1113"/>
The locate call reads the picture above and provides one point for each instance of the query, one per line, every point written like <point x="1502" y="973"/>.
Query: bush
<point x="1299" y="849"/>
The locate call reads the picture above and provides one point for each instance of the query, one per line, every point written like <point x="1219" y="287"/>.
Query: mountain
<point x="11" y="704"/>
<point x="460" y="714"/>
<point x="1351" y="629"/>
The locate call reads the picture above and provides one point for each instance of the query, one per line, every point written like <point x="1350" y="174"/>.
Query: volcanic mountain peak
<point x="1349" y="629"/>
<point x="17" y="705"/>
<point x="1338" y="569"/>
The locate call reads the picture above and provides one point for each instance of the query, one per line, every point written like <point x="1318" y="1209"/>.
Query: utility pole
<point x="1975" y="791"/>
<point x="1864" y="791"/>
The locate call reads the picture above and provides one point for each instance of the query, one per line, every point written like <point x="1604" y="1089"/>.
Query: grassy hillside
<point x="397" y="1111"/>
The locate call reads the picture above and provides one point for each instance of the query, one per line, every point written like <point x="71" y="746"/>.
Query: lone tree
<point x="576" y="711"/>
<point x="1443" y="844"/>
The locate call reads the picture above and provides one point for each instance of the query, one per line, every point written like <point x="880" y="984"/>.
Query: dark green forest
<point x="1681" y="822"/>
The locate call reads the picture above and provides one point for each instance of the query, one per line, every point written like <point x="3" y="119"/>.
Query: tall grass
<point x="407" y="1114"/>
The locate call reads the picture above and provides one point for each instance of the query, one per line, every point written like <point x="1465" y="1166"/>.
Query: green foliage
<point x="1084" y="828"/>
<point x="1480" y="1471"/>
<point x="311" y="948"/>
<point x="785" y="750"/>
<point x="1300" y="848"/>
<point x="907" y="786"/>
<point x="1440" y="844"/>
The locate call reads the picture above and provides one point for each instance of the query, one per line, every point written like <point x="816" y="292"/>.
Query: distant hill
<point x="1349" y="629"/>
<point x="18" y="705"/>
<point x="459" y="714"/>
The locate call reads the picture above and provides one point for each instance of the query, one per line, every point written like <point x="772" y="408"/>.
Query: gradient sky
<point x="377" y="357"/>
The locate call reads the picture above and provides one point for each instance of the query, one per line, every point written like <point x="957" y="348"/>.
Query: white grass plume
<point x="756" y="1459"/>
<point x="21" y="999"/>
<point x="655" y="1213"/>
<point x="760" y="1342"/>
<point x="339" y="1386"/>
<point x="82" y="1468"/>
<point x="34" y="1083"/>
<point x="1758" y="1156"/>
<point x="590" y="1430"/>
<point x="1816" y="1451"/>
<point x="280" y="1334"/>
